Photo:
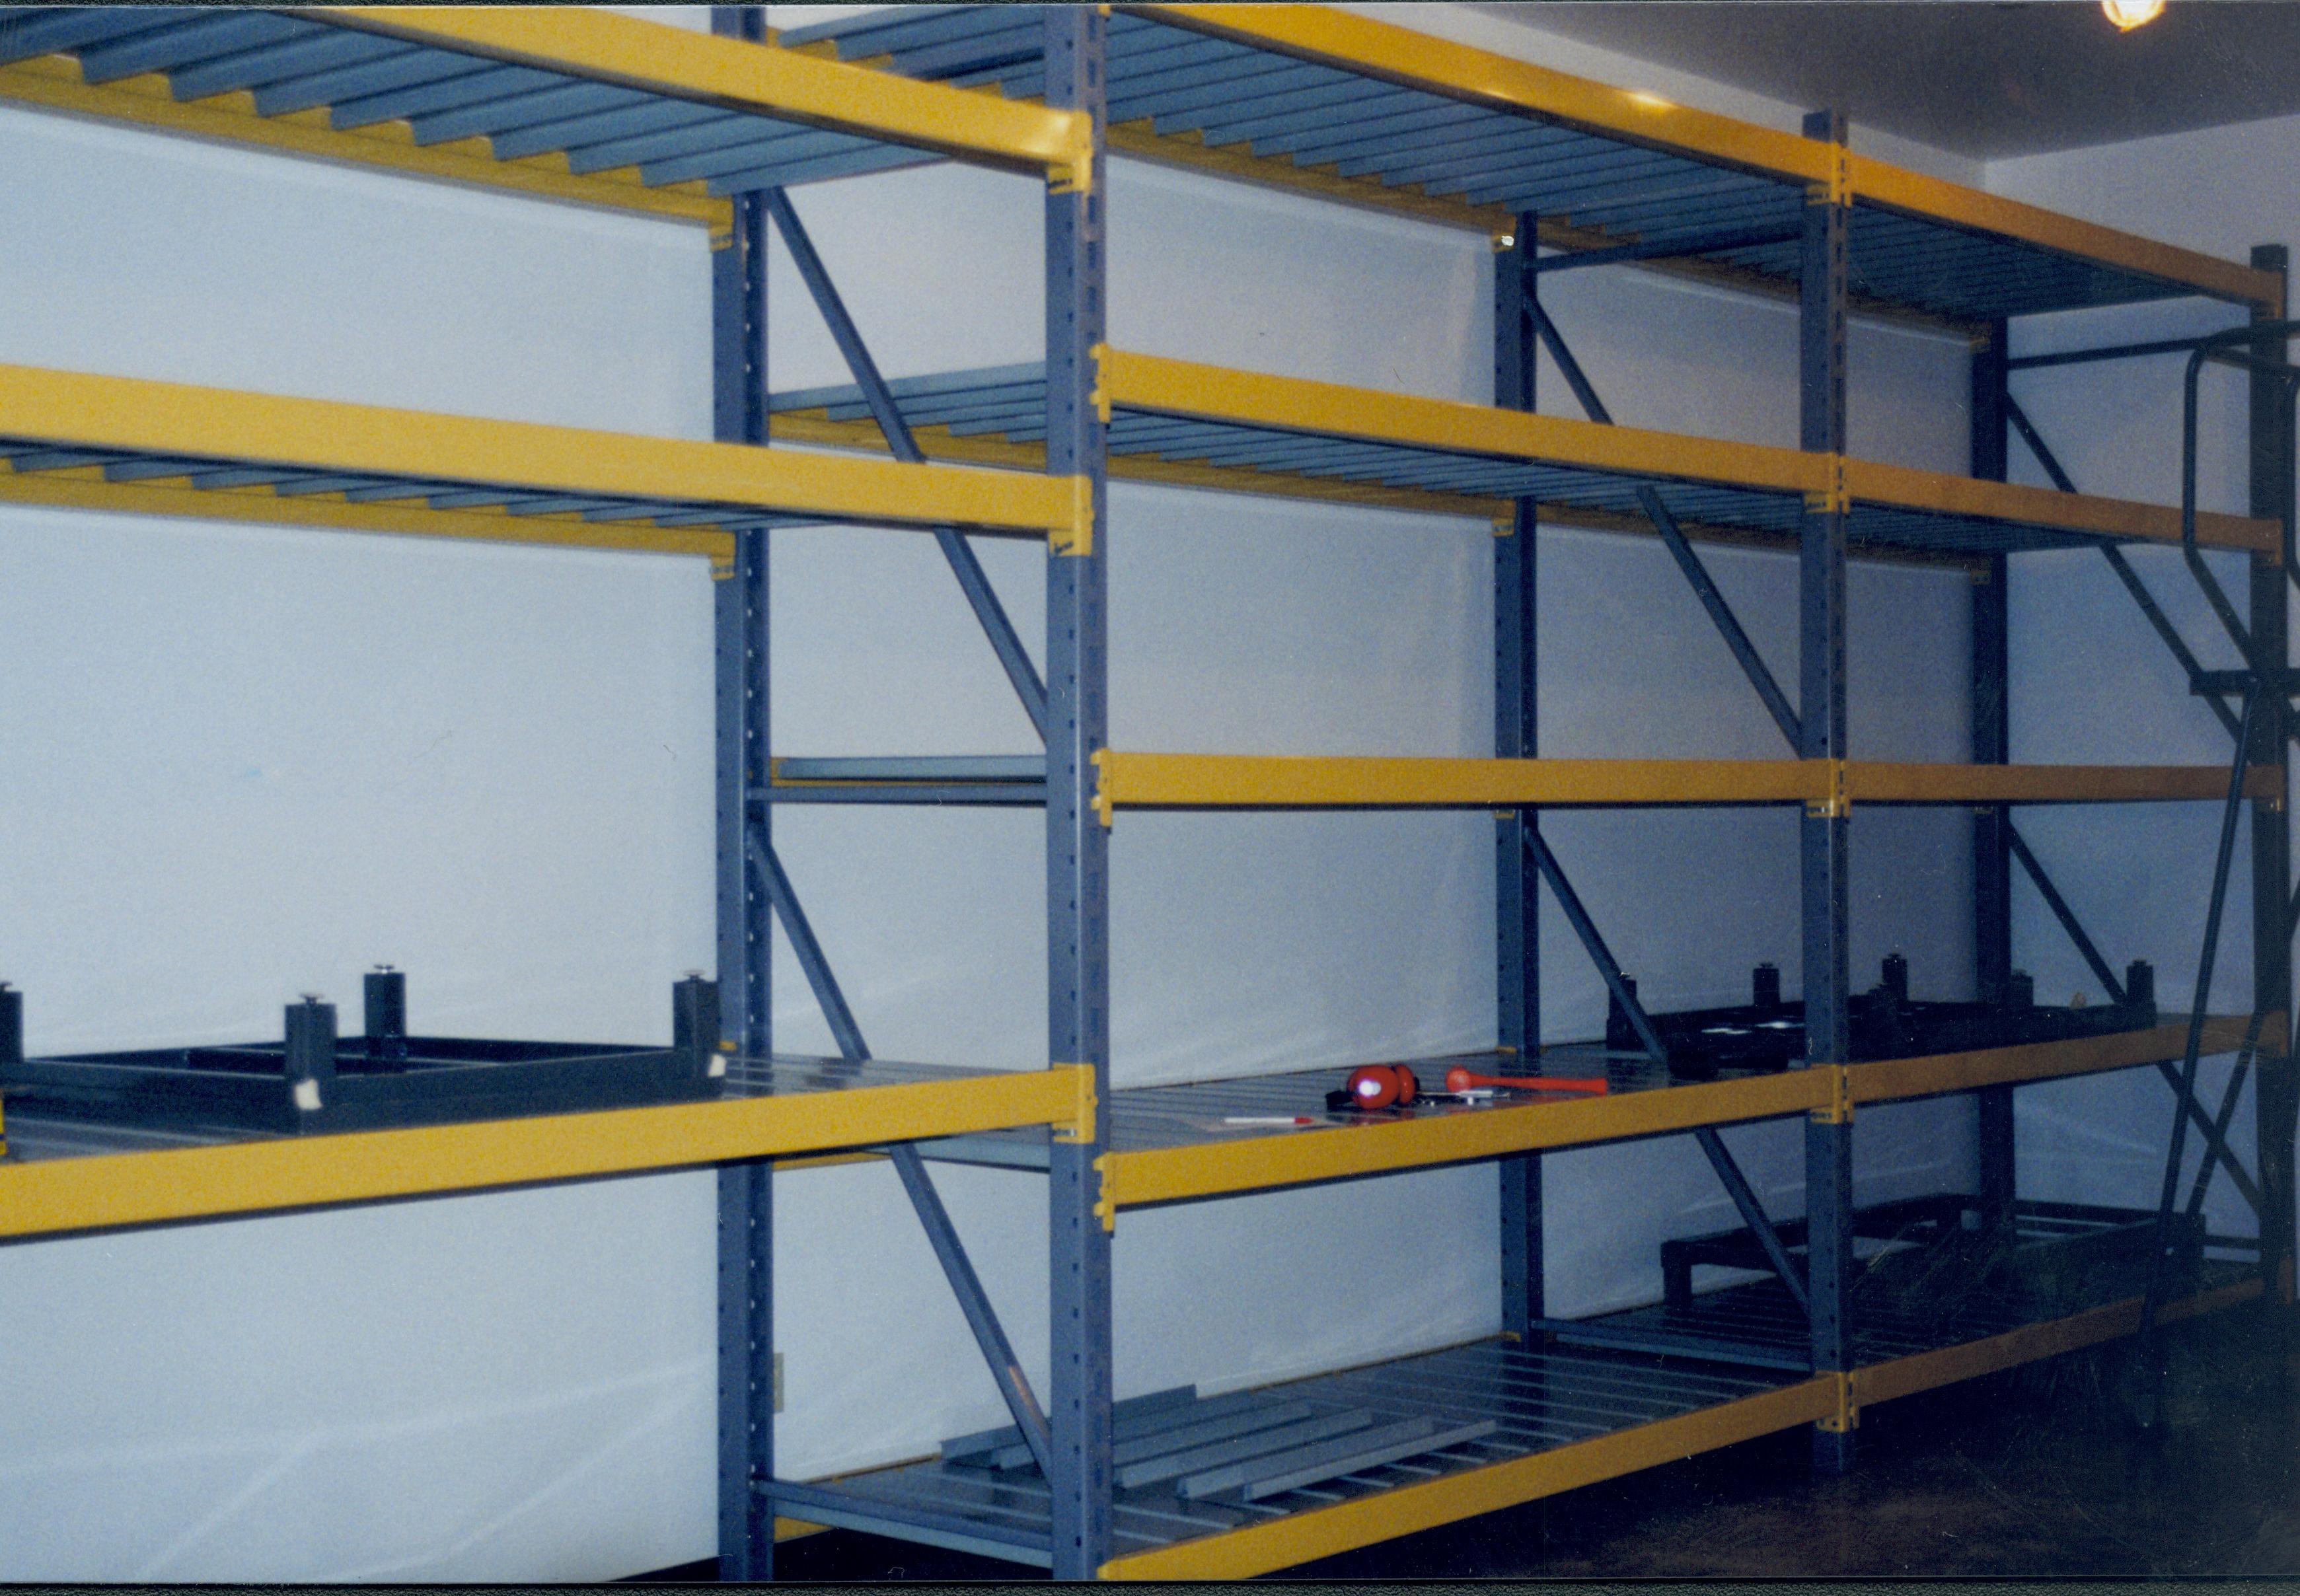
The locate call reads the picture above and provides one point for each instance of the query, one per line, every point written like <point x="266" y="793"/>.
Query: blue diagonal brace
<point x="998" y="1351"/>
<point x="1592" y="943"/>
<point x="2065" y="915"/>
<point x="825" y="986"/>
<point x="1753" y="1214"/>
<point x="2180" y="651"/>
<point x="972" y="579"/>
<point x="1704" y="588"/>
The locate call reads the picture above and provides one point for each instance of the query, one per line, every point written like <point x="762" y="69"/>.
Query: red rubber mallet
<point x="1458" y="1080"/>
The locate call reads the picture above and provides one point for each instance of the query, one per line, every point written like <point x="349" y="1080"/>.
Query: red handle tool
<point x="1458" y="1080"/>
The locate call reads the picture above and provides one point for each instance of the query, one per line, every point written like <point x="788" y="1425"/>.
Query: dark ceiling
<point x="1983" y="77"/>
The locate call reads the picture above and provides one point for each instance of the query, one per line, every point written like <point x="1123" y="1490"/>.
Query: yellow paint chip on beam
<point x="137" y="415"/>
<point x="742" y="75"/>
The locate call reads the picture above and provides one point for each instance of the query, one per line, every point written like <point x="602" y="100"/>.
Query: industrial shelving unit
<point x="1319" y="102"/>
<point x="560" y="104"/>
<point x="592" y="107"/>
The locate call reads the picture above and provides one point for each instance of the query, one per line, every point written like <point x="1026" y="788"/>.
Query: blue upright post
<point x="1823" y="840"/>
<point x="2277" y="1100"/>
<point x="1517" y="882"/>
<point x="1992" y="854"/>
<point x="1078" y="848"/>
<point x="739" y="319"/>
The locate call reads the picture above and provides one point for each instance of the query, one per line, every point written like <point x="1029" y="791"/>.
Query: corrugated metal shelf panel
<point x="581" y="104"/>
<point x="69" y="1175"/>
<point x="1363" y="112"/>
<point x="1587" y="1415"/>
<point x="1253" y="433"/>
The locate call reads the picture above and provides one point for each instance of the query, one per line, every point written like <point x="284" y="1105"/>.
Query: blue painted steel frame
<point x="1517" y="892"/>
<point x="746" y="1244"/>
<point x="1823" y="839"/>
<point x="1078" y="856"/>
<point x="1991" y="744"/>
<point x="2277" y="1100"/>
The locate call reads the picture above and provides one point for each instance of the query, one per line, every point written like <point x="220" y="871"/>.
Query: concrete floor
<point x="2039" y="1471"/>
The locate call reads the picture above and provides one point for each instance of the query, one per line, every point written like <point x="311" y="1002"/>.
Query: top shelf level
<point x="1314" y="99"/>
<point x="564" y="101"/>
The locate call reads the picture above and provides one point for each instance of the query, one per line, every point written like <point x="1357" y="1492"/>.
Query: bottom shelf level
<point x="1554" y="1417"/>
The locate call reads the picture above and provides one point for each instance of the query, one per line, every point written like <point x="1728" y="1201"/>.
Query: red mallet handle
<point x="1458" y="1080"/>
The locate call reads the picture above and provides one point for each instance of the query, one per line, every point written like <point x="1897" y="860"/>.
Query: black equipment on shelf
<point x="313" y="1081"/>
<point x="1767" y="1034"/>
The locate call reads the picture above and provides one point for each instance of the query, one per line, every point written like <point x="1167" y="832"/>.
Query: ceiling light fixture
<point x="2128" y="14"/>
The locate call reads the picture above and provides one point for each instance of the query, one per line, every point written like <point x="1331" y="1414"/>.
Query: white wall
<point x="248" y="762"/>
<point x="2090" y="680"/>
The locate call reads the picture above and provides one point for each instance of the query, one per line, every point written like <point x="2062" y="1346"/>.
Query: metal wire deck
<point x="254" y="482"/>
<point x="1918" y="1300"/>
<point x="1537" y="1400"/>
<point x="1236" y="96"/>
<point x="1009" y="404"/>
<point x="303" y="61"/>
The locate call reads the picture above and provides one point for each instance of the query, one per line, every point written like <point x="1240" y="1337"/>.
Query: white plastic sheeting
<point x="247" y="762"/>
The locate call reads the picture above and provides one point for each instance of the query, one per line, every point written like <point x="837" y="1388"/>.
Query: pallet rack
<point x="609" y="111"/>
<point x="1356" y="111"/>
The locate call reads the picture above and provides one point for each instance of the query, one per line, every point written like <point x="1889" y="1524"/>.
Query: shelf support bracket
<point x="972" y="579"/>
<point x="1729" y="625"/>
<point x="819" y="976"/>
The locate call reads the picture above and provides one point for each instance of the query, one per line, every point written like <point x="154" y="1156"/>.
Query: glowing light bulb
<point x="2128" y="14"/>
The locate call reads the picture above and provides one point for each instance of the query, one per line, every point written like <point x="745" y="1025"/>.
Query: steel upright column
<point x="1078" y="856"/>
<point x="1822" y="839"/>
<point x="2277" y="1100"/>
<point x="1992" y="853"/>
<point x="739" y="319"/>
<point x="1517" y="881"/>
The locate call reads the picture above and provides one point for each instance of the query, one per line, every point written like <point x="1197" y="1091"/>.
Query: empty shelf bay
<point x="1207" y="426"/>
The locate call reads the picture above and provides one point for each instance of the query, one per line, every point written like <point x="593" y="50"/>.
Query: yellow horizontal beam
<point x="1299" y="1537"/>
<point x="1872" y="482"/>
<point x="1915" y="193"/>
<point x="1929" y="1371"/>
<point x="1257" y="781"/>
<point x="86" y="489"/>
<point x="1217" y="394"/>
<point x="45" y="1195"/>
<point x="1448" y="1135"/>
<point x="176" y="418"/>
<point x="1132" y="780"/>
<point x="1869" y="782"/>
<point x="1401" y="55"/>
<point x="743" y="76"/>
<point x="54" y="83"/>
<point x="1892" y="1080"/>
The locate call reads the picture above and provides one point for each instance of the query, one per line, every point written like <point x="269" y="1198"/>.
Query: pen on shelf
<point x="1269" y="1119"/>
